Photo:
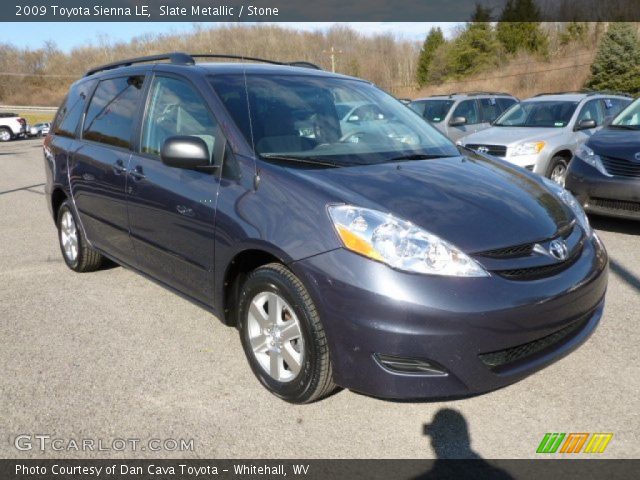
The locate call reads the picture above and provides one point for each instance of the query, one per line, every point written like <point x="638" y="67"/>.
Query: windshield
<point x="432" y="110"/>
<point x="546" y="114"/>
<point x="330" y="121"/>
<point x="629" y="117"/>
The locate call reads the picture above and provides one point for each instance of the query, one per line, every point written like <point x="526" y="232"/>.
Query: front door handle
<point x="119" y="168"/>
<point x="137" y="173"/>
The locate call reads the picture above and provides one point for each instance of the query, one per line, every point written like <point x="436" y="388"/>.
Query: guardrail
<point x="26" y="108"/>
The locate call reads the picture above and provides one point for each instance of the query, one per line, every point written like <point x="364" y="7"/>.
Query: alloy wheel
<point x="275" y="336"/>
<point x="69" y="236"/>
<point x="558" y="174"/>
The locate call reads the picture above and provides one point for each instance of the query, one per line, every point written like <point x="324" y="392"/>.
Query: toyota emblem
<point x="558" y="250"/>
<point x="637" y="156"/>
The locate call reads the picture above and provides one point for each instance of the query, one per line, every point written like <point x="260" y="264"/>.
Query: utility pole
<point x="332" y="54"/>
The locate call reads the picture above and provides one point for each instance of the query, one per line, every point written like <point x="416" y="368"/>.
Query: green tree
<point x="481" y="14"/>
<point x="574" y="32"/>
<point x="617" y="62"/>
<point x="515" y="34"/>
<point x="434" y="40"/>
<point x="474" y="50"/>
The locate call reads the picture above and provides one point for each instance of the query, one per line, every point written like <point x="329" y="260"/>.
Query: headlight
<point x="399" y="243"/>
<point x="528" y="148"/>
<point x="590" y="157"/>
<point x="571" y="202"/>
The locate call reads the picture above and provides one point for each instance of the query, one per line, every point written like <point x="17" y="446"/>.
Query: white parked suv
<point x="11" y="126"/>
<point x="543" y="132"/>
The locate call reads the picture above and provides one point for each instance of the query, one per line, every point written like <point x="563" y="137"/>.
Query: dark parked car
<point x="605" y="172"/>
<point x="401" y="267"/>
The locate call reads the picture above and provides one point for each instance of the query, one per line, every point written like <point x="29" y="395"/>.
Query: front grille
<point x="495" y="150"/>
<point x="621" y="205"/>
<point x="526" y="249"/>
<point x="621" y="167"/>
<point x="507" y="356"/>
<point x="534" y="273"/>
<point x="510" y="252"/>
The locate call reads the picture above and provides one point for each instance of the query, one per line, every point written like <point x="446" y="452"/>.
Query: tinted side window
<point x="417" y="107"/>
<point x="613" y="106"/>
<point x="505" y="103"/>
<point x="176" y="108"/>
<point x="592" y="110"/>
<point x="68" y="116"/>
<point x="111" y="114"/>
<point x="490" y="109"/>
<point x="469" y="110"/>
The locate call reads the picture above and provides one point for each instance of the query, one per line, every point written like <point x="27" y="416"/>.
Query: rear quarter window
<point x="68" y="116"/>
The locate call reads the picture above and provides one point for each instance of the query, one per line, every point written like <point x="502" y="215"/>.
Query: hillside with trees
<point x="488" y="53"/>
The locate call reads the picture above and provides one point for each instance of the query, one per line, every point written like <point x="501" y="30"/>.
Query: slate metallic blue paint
<point x="185" y="228"/>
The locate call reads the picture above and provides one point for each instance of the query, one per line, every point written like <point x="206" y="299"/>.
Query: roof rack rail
<point x="180" y="58"/>
<point x="485" y="93"/>
<point x="608" y="92"/>
<point x="470" y="94"/>
<point x="587" y="93"/>
<point x="256" y="59"/>
<point x="569" y="92"/>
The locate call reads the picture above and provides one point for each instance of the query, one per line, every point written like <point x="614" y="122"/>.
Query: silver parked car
<point x="460" y="114"/>
<point x="39" y="129"/>
<point x="543" y="132"/>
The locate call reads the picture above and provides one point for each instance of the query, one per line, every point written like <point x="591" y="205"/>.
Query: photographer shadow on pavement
<point x="451" y="443"/>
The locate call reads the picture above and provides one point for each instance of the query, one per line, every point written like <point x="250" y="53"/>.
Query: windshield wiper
<point x="625" y="127"/>
<point x="298" y="159"/>
<point x="417" y="156"/>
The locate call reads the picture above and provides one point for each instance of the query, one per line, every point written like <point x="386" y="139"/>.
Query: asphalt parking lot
<point x="111" y="355"/>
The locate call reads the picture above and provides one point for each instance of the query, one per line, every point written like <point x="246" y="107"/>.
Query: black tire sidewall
<point x="65" y="207"/>
<point x="555" y="161"/>
<point x="270" y="280"/>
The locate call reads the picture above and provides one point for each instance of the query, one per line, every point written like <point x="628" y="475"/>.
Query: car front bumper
<point x="603" y="195"/>
<point x="369" y="309"/>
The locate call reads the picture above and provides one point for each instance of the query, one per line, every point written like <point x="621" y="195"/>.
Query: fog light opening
<point x="412" y="366"/>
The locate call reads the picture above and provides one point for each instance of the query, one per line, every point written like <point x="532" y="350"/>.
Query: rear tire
<point x="557" y="170"/>
<point x="283" y="337"/>
<point x="77" y="253"/>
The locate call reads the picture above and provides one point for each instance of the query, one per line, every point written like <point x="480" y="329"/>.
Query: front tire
<point x="5" y="134"/>
<point x="283" y="337"/>
<point x="77" y="253"/>
<point x="557" y="170"/>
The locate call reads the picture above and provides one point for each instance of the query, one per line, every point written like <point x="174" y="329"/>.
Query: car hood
<point x="616" y="142"/>
<point x="474" y="202"/>
<point x="511" y="135"/>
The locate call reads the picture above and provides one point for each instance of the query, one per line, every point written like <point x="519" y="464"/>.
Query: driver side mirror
<point x="586" y="124"/>
<point x="185" y="152"/>
<point x="458" y="121"/>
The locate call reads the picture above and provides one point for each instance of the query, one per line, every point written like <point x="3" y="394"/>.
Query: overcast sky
<point x="35" y="34"/>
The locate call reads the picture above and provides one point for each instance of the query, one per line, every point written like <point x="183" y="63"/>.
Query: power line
<point x="533" y="72"/>
<point x="51" y="75"/>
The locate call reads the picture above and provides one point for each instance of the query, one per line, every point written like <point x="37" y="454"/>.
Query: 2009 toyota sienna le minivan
<point x="384" y="260"/>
